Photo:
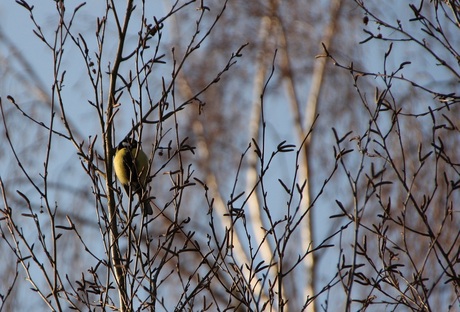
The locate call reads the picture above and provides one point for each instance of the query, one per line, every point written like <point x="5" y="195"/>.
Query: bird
<point x="132" y="174"/>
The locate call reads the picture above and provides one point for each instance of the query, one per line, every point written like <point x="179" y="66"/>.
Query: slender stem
<point x="115" y="254"/>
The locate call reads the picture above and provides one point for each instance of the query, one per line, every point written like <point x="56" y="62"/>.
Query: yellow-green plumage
<point x="132" y="174"/>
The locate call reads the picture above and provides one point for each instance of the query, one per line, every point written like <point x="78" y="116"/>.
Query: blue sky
<point x="14" y="22"/>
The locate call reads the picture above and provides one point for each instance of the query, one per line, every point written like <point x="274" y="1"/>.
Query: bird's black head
<point x="128" y="142"/>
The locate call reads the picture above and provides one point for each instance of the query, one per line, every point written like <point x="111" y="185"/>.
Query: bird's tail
<point x="146" y="208"/>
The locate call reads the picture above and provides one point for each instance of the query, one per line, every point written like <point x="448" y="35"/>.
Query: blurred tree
<point x="298" y="161"/>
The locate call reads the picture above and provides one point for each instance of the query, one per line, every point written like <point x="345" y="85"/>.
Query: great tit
<point x="132" y="174"/>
